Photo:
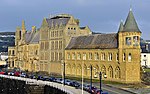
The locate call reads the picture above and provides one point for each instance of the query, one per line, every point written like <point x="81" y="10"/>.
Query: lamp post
<point x="63" y="74"/>
<point x="91" y="78"/>
<point x="100" y="83"/>
<point x="82" y="77"/>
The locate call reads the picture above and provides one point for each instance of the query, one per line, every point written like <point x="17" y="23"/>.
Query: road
<point x="112" y="90"/>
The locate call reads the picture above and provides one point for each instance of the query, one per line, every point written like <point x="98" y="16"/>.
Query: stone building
<point x="11" y="57"/>
<point x="43" y="49"/>
<point x="55" y="34"/>
<point x="116" y="55"/>
<point x="26" y="48"/>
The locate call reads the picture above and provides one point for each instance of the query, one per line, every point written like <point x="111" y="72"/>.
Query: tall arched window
<point x="96" y="56"/>
<point x="84" y="56"/>
<point x="110" y="69"/>
<point x="124" y="56"/>
<point x="109" y="56"/>
<point x="103" y="70"/>
<point x="117" y="73"/>
<point x="129" y="57"/>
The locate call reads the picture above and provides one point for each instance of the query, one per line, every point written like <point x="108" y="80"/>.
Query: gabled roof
<point x="130" y="23"/>
<point x="97" y="41"/>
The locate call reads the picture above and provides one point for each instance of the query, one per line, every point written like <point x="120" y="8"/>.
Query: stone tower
<point x="23" y="31"/>
<point x="129" y="49"/>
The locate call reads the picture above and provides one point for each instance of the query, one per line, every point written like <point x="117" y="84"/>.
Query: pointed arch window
<point x="124" y="56"/>
<point x="78" y="56"/>
<point x="90" y="56"/>
<point x="110" y="69"/>
<point x="84" y="56"/>
<point x="109" y="56"/>
<point x="96" y="55"/>
<point x="117" y="57"/>
<point x="117" y="73"/>
<point x="103" y="56"/>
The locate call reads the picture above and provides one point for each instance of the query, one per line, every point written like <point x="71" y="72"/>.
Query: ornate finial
<point x="121" y="21"/>
<point x="23" y="25"/>
<point x="130" y="7"/>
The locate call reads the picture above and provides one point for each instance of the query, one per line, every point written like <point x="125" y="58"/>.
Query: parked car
<point x="32" y="76"/>
<point x="86" y="87"/>
<point x="2" y="72"/>
<point x="45" y="78"/>
<point x="11" y="73"/>
<point x="40" y="77"/>
<point x="23" y="75"/>
<point x="16" y="73"/>
<point x="59" y="80"/>
<point x="52" y="79"/>
<point x="75" y="84"/>
<point x="68" y="82"/>
<point x="92" y="90"/>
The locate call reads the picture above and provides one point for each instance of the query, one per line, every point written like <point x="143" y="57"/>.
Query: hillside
<point x="7" y="39"/>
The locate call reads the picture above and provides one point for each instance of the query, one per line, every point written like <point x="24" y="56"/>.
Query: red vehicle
<point x="16" y="73"/>
<point x="2" y="72"/>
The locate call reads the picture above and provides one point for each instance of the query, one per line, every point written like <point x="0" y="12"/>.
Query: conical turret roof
<point x="130" y="23"/>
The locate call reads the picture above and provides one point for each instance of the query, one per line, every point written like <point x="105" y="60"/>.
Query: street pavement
<point x="112" y="90"/>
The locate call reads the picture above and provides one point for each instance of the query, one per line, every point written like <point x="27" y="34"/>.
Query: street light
<point x="63" y="76"/>
<point x="100" y="80"/>
<point x="91" y="78"/>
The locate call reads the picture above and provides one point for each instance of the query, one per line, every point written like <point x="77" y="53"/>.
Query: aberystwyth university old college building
<point x="60" y="39"/>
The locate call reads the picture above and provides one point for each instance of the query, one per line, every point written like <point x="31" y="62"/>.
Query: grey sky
<point x="100" y="15"/>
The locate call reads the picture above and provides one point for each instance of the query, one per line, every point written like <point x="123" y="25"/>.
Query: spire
<point x="23" y="25"/>
<point x="121" y="26"/>
<point x="130" y="23"/>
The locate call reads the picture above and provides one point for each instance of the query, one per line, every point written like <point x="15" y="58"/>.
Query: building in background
<point x="116" y="55"/>
<point x="145" y="54"/>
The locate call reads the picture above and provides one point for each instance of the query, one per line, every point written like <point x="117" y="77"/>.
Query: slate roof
<point x="96" y="41"/>
<point x="35" y="38"/>
<point x="58" y="21"/>
<point x="32" y="37"/>
<point x="28" y="36"/>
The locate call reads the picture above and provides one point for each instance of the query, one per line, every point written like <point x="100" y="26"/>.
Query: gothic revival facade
<point x="43" y="49"/>
<point x="60" y="40"/>
<point x="116" y="55"/>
